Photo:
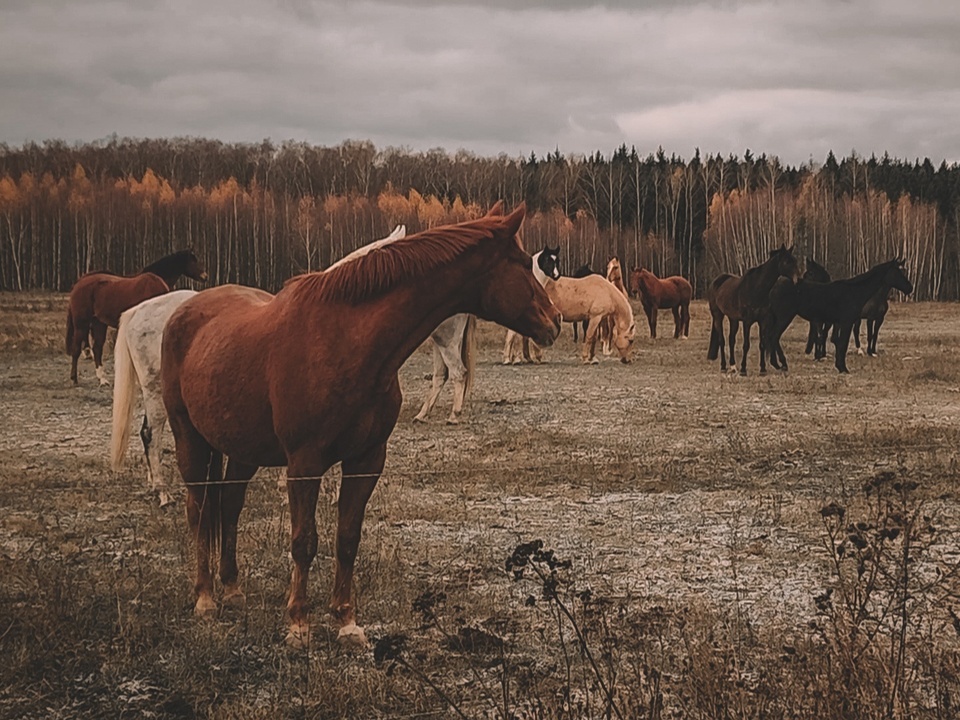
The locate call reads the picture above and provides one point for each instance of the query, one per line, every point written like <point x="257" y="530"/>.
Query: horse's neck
<point x="170" y="277"/>
<point x="762" y="282"/>
<point x="395" y="324"/>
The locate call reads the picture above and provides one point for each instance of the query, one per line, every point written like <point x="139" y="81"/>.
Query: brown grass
<point x="686" y="501"/>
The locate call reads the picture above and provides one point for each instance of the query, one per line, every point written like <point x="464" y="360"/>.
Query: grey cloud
<point x="786" y="78"/>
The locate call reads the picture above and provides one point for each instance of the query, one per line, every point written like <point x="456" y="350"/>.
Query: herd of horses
<point x="247" y="379"/>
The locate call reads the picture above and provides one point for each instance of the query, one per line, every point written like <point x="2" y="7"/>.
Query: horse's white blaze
<point x="537" y="272"/>
<point x="400" y="231"/>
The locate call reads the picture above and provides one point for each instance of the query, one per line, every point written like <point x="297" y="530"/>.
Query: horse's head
<point x="896" y="277"/>
<point x="635" y="281"/>
<point x="815" y="272"/>
<point x="547" y="263"/>
<point x="192" y="267"/>
<point x="613" y="269"/>
<point x="510" y="295"/>
<point x="623" y="340"/>
<point x="786" y="263"/>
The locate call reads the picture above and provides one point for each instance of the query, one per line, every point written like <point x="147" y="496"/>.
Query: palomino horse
<point x="874" y="313"/>
<point x="98" y="299"/>
<point x="744" y="299"/>
<point x="817" y="334"/>
<point x="136" y="362"/>
<point x="838" y="303"/>
<point x="605" y="332"/>
<point x="657" y="294"/>
<point x="593" y="298"/>
<point x="267" y="381"/>
<point x="517" y="348"/>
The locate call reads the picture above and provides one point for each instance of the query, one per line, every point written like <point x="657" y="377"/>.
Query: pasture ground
<point x="695" y="519"/>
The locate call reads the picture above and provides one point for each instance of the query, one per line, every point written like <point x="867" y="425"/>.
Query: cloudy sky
<point x="786" y="77"/>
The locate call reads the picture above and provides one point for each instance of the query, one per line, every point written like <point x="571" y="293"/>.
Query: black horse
<point x="582" y="272"/>
<point x="873" y="312"/>
<point x="817" y="337"/>
<point x="839" y="303"/>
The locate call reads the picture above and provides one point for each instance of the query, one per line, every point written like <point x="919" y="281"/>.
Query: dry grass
<point x="686" y="501"/>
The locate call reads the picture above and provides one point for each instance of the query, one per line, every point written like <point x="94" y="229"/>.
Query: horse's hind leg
<point x="99" y="331"/>
<point x="196" y="458"/>
<point x="685" y="314"/>
<point x="841" y="340"/>
<point x="458" y="374"/>
<point x="439" y="378"/>
<point x="232" y="496"/>
<point x="856" y="336"/>
<point x="81" y="330"/>
<point x="872" y="333"/>
<point x="677" y="326"/>
<point x="151" y="435"/>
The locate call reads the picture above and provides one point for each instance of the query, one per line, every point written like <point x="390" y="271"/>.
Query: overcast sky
<point x="785" y="77"/>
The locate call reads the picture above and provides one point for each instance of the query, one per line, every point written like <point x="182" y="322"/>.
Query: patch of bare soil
<point x="673" y="492"/>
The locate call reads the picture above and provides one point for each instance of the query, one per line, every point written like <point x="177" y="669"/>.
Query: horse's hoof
<point x="352" y="636"/>
<point x="453" y="420"/>
<point x="743" y="373"/>
<point x="625" y="361"/>
<point x="298" y="636"/>
<point x="165" y="499"/>
<point x="860" y="351"/>
<point x="86" y="354"/>
<point x="762" y="373"/>
<point x="205" y="608"/>
<point x="418" y="419"/>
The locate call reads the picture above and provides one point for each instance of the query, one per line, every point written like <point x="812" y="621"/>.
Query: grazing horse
<point x="267" y="381"/>
<point x="744" y="299"/>
<point x="838" y="303"/>
<point x="657" y="294"/>
<point x="545" y="264"/>
<point x="136" y="362"/>
<point x="874" y="313"/>
<point x="817" y="335"/>
<point x="582" y="272"/>
<point x="99" y="298"/>
<point x="593" y="298"/>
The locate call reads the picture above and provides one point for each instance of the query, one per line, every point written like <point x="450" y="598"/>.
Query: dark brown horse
<point x="744" y="299"/>
<point x="817" y="334"/>
<point x="838" y="303"/>
<point x="874" y="313"/>
<point x="268" y="381"/>
<point x="98" y="299"/>
<point x="656" y="294"/>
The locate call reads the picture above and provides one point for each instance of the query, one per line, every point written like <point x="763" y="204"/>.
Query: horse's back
<point x="722" y="287"/>
<point x="226" y="313"/>
<point x="106" y="297"/>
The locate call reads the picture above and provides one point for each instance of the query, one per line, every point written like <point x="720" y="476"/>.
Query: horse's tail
<point x="70" y="330"/>
<point x="468" y="354"/>
<point x="125" y="383"/>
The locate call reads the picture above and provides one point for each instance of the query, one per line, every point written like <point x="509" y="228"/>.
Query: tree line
<point x="258" y="213"/>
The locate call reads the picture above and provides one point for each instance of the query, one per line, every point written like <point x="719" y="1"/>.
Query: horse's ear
<point x="514" y="220"/>
<point x="496" y="210"/>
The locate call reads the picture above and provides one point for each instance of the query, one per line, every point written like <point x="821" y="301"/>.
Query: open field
<point x="690" y="503"/>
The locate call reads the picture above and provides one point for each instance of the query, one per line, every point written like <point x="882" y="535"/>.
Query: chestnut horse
<point x="268" y="381"/>
<point x="744" y="299"/>
<point x="99" y="298"/>
<point x="657" y="294"/>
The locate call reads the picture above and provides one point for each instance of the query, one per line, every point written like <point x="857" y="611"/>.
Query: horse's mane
<point x="174" y="261"/>
<point x="387" y="266"/>
<point x="869" y="274"/>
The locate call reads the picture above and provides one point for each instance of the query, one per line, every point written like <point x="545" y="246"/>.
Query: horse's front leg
<point x="746" y="346"/>
<point x="589" y="354"/>
<point x="763" y="348"/>
<point x="303" y="489"/>
<point x="734" y="327"/>
<point x="359" y="479"/>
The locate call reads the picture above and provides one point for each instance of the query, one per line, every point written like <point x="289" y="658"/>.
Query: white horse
<point x="454" y="357"/>
<point x="136" y="358"/>
<point x="137" y="361"/>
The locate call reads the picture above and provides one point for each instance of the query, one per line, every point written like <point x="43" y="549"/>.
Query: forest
<point x="259" y="213"/>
